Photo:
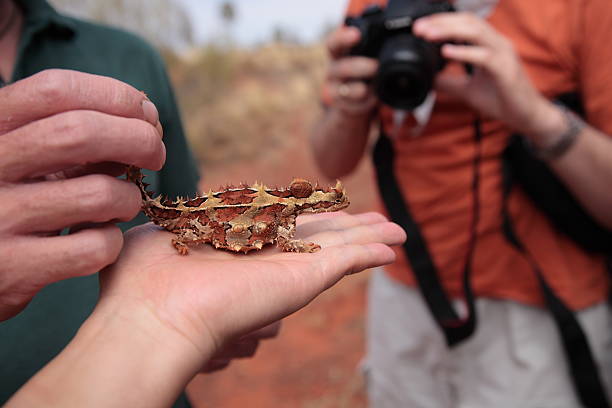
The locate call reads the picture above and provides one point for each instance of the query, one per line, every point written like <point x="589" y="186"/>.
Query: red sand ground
<point x="313" y="363"/>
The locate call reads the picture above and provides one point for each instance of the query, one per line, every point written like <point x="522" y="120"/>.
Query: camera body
<point x="407" y="64"/>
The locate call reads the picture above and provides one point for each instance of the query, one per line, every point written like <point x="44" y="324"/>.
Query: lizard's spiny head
<point x="317" y="199"/>
<point x="341" y="200"/>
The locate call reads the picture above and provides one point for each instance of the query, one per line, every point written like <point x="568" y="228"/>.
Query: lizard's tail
<point x="134" y="175"/>
<point x="149" y="204"/>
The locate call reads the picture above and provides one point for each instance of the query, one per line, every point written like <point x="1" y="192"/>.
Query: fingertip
<point x="404" y="236"/>
<point x="153" y="155"/>
<point x="101" y="246"/>
<point x="150" y="112"/>
<point x="342" y="40"/>
<point x="386" y="254"/>
<point x="393" y="234"/>
<point x="114" y="239"/>
<point x="354" y="258"/>
<point x="352" y="34"/>
<point x="449" y="50"/>
<point x="135" y="206"/>
<point x="400" y="234"/>
<point x="163" y="157"/>
<point x="370" y="256"/>
<point x="113" y="245"/>
<point x="420" y="25"/>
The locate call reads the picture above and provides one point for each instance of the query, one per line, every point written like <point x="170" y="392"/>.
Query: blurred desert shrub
<point x="247" y="104"/>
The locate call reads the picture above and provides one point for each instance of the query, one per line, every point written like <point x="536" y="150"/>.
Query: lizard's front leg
<point x="186" y="237"/>
<point x="287" y="243"/>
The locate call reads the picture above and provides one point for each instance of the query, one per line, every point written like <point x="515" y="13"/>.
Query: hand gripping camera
<point x="407" y="64"/>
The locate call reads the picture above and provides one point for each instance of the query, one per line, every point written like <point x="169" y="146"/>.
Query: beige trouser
<point x="514" y="360"/>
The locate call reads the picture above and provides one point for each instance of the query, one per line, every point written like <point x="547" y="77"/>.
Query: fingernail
<point x="150" y="112"/>
<point x="164" y="152"/>
<point x="421" y="24"/>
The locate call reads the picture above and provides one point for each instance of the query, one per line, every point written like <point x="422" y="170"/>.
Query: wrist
<point x="121" y="356"/>
<point x="133" y="323"/>
<point x="555" y="132"/>
<point x="547" y="124"/>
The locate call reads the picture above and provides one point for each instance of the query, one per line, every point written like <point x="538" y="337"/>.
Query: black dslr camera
<point x="408" y="64"/>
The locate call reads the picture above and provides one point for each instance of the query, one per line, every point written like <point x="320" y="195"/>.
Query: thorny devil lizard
<point x="243" y="218"/>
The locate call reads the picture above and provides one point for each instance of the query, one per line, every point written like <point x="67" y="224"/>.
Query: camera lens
<point x="408" y="66"/>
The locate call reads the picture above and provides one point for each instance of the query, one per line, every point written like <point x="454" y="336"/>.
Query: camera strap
<point x="582" y="366"/>
<point x="581" y="363"/>
<point x="455" y="328"/>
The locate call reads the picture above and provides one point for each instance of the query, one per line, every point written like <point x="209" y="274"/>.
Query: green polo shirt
<point x="51" y="40"/>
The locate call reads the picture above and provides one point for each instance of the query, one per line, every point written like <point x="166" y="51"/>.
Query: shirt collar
<point x="40" y="14"/>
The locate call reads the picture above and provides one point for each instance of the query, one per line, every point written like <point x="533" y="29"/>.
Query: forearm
<point x="587" y="171"/>
<point x="339" y="141"/>
<point x="586" y="168"/>
<point x="115" y="361"/>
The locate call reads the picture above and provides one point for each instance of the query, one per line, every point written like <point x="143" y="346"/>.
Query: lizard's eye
<point x="300" y="188"/>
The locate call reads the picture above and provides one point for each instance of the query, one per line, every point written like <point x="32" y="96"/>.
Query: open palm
<point x="221" y="295"/>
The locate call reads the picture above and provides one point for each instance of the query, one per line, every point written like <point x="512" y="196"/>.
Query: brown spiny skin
<point x="241" y="219"/>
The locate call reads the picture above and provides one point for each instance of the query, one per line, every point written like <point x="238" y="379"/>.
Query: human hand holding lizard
<point x="161" y="315"/>
<point x="65" y="135"/>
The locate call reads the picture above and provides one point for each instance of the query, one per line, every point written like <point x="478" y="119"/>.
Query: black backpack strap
<point x="453" y="327"/>
<point x="582" y="366"/>
<point x="551" y="196"/>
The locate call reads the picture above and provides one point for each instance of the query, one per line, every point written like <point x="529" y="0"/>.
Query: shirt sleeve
<point x="595" y="62"/>
<point x="356" y="7"/>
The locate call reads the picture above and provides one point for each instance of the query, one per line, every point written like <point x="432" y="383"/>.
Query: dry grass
<point x="248" y="114"/>
<point x="245" y="104"/>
